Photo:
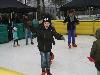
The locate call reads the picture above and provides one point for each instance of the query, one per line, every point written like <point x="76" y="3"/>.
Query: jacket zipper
<point x="44" y="43"/>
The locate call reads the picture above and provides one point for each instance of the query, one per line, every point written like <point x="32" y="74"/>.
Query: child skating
<point x="15" y="37"/>
<point x="45" y="35"/>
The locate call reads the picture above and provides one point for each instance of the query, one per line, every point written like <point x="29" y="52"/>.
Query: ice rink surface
<point x="26" y="59"/>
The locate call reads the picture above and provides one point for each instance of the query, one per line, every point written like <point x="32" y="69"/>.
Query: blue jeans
<point x="45" y="60"/>
<point x="28" y="35"/>
<point x="71" y="36"/>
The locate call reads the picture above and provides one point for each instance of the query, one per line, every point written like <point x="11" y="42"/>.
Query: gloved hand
<point x="91" y="59"/>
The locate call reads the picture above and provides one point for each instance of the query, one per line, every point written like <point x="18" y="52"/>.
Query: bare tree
<point x="40" y="8"/>
<point x="43" y="8"/>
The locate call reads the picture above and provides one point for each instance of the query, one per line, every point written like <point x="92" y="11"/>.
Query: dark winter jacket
<point x="27" y="23"/>
<point x="71" y="25"/>
<point x="95" y="52"/>
<point x="45" y="38"/>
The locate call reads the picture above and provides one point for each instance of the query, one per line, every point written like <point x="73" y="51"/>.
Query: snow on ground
<point x="26" y="59"/>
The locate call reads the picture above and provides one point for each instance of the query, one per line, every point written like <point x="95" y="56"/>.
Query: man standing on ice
<point x="71" y="27"/>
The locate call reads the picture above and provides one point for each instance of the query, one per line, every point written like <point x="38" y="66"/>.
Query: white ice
<point x="26" y="59"/>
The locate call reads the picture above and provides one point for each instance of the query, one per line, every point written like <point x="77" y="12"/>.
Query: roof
<point x="14" y="5"/>
<point x="81" y="4"/>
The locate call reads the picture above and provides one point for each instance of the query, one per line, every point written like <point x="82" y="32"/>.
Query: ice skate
<point x="43" y="71"/>
<point x="74" y="45"/>
<point x="69" y="46"/>
<point x="48" y="72"/>
<point x="18" y="45"/>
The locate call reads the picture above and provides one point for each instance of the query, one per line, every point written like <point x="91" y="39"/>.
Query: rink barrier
<point x="4" y="71"/>
<point x="84" y="28"/>
<point x="3" y="33"/>
<point x="96" y="26"/>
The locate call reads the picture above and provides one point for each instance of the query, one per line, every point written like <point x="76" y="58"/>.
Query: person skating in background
<point x="44" y="38"/>
<point x="95" y="52"/>
<point x="35" y="24"/>
<point x="28" y="25"/>
<point x="71" y="27"/>
<point x="15" y="37"/>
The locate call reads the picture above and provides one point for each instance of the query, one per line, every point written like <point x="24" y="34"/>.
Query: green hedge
<point x="3" y="28"/>
<point x="3" y="33"/>
<point x="3" y="37"/>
